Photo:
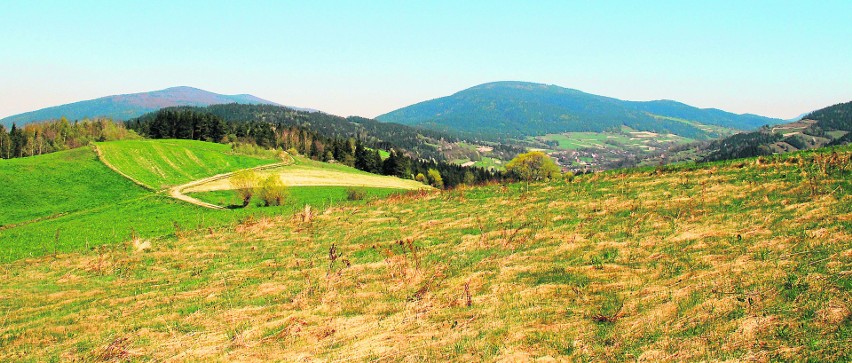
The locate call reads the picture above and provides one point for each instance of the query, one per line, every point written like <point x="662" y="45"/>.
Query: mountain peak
<point x="127" y="106"/>
<point x="519" y="109"/>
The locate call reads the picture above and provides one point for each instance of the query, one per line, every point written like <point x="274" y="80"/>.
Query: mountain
<point x="825" y="127"/>
<point x="127" y="106"/>
<point x="518" y="109"/>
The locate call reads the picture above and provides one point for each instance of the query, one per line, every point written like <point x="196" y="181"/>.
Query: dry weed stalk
<point x="468" y="301"/>
<point x="115" y="351"/>
<point x="600" y="318"/>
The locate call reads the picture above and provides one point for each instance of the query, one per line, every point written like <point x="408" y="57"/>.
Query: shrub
<point x="244" y="183"/>
<point x="272" y="191"/>
<point x="435" y="179"/>
<point x="421" y="178"/>
<point x="355" y="194"/>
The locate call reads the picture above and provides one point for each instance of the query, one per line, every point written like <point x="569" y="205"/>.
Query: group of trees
<point x="263" y="124"/>
<point x="51" y="136"/>
<point x="360" y="151"/>
<point x="270" y="190"/>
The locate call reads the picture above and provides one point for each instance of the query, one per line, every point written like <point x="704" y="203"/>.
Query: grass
<point x="78" y="181"/>
<point x="162" y="163"/>
<point x="306" y="172"/>
<point x="70" y="201"/>
<point x="297" y="196"/>
<point x="484" y="162"/>
<point x="579" y="140"/>
<point x="741" y="260"/>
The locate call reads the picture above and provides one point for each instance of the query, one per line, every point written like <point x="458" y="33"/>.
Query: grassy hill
<point x="307" y="172"/>
<point x="740" y="260"/>
<point x="520" y="109"/>
<point x="70" y="201"/>
<point x="161" y="163"/>
<point x="54" y="184"/>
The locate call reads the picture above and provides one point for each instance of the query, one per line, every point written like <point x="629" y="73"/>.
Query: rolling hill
<point x="824" y="127"/>
<point x="519" y="109"/>
<point x="86" y="197"/>
<point x="127" y="106"/>
<point x="727" y="261"/>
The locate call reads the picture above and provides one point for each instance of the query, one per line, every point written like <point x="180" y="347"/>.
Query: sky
<point x="366" y="58"/>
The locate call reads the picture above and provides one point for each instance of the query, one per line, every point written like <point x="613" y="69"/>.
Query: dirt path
<point x="177" y="191"/>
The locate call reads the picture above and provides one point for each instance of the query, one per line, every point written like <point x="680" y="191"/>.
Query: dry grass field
<point x="749" y="260"/>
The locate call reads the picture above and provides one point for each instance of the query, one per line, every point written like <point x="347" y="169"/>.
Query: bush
<point x="253" y="150"/>
<point x="421" y="178"/>
<point x="355" y="194"/>
<point x="272" y="191"/>
<point x="435" y="179"/>
<point x="244" y="183"/>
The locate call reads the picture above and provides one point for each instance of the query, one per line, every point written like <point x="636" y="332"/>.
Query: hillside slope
<point x="161" y="163"/>
<point x="71" y="201"/>
<point x="516" y="109"/>
<point x="828" y="126"/>
<point x="127" y="106"/>
<point x="39" y="187"/>
<point x="745" y="260"/>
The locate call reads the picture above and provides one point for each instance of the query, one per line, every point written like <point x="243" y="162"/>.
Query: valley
<point x="425" y="181"/>
<point x="151" y="240"/>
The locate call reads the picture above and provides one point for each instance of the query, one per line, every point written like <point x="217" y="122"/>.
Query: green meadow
<point x="70" y="201"/>
<point x="745" y="260"/>
<point x="162" y="163"/>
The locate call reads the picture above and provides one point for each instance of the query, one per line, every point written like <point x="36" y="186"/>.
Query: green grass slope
<point x="70" y="201"/>
<point x="734" y="261"/>
<point x="49" y="185"/>
<point x="162" y="163"/>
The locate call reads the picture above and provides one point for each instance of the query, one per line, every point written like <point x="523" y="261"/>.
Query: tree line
<point x="360" y="151"/>
<point x="57" y="135"/>
<point x="258" y="121"/>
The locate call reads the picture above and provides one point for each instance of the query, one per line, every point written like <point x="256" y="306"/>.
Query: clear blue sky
<point x="775" y="58"/>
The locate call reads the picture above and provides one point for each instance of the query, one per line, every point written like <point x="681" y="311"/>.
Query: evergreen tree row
<point x="360" y="151"/>
<point x="249" y="121"/>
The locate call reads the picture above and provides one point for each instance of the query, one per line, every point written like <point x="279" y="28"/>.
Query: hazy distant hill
<point x="515" y="109"/>
<point x="124" y="107"/>
<point x="828" y="126"/>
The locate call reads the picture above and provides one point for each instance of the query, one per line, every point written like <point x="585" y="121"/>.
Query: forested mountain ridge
<point x="260" y="123"/>
<point x="518" y="109"/>
<point x="350" y="141"/>
<point x="824" y="127"/>
<point x="127" y="106"/>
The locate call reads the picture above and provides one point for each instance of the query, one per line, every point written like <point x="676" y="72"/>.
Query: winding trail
<point x="177" y="191"/>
